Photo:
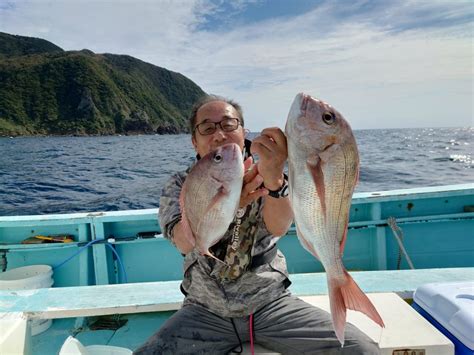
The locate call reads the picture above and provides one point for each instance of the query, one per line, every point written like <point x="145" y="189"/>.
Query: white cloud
<point x="375" y="75"/>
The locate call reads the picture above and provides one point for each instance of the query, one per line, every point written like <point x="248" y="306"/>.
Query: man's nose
<point x="219" y="134"/>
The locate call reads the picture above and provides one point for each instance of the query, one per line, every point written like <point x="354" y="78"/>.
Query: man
<point x="245" y="298"/>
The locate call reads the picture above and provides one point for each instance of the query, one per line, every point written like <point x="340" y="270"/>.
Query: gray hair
<point x="211" y="98"/>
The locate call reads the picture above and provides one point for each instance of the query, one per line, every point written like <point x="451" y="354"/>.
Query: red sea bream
<point x="323" y="164"/>
<point x="210" y="196"/>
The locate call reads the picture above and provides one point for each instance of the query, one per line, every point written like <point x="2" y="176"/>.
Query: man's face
<point x="216" y="111"/>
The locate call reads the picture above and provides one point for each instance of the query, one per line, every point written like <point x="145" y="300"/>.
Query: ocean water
<point x="40" y="175"/>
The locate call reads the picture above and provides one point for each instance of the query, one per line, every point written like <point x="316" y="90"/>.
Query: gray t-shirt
<point x="230" y="291"/>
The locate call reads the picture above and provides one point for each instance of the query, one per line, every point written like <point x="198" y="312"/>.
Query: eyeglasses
<point x="227" y="125"/>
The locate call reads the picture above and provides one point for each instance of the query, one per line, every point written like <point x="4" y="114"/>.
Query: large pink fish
<point x="210" y="196"/>
<point x="323" y="164"/>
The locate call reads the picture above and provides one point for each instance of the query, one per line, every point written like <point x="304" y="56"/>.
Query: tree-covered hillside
<point x="44" y="90"/>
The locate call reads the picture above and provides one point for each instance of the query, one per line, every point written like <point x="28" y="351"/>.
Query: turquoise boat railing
<point x="437" y="225"/>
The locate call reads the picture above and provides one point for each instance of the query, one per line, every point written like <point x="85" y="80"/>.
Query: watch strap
<point x="282" y="191"/>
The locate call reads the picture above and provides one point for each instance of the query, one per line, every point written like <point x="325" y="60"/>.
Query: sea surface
<point x="40" y="175"/>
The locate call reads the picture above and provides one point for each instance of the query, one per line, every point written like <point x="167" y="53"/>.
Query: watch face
<point x="284" y="191"/>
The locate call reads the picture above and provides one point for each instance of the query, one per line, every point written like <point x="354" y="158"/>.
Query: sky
<point x="382" y="64"/>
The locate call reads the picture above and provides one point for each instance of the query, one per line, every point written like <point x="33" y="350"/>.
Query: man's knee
<point x="159" y="343"/>
<point x="365" y="348"/>
<point x="361" y="345"/>
<point x="357" y="342"/>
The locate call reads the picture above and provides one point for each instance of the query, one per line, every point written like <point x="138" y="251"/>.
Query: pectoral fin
<point x="221" y="193"/>
<point x="316" y="171"/>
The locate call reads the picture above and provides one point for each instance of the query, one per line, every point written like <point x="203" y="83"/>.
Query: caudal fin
<point x="347" y="295"/>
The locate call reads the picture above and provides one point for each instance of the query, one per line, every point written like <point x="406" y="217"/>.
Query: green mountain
<point x="12" y="46"/>
<point x="45" y="90"/>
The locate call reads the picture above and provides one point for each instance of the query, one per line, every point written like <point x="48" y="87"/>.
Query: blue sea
<point x="40" y="175"/>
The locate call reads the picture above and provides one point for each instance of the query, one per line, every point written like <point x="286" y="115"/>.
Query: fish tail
<point x="338" y="309"/>
<point x="347" y="295"/>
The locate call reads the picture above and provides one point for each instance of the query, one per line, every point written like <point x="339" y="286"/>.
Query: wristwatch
<point x="282" y="191"/>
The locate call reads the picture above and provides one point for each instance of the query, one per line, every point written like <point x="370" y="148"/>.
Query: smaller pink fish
<point x="210" y="196"/>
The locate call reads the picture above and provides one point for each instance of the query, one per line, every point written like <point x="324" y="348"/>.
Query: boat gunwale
<point x="143" y="214"/>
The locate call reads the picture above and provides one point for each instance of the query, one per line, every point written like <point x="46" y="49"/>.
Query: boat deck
<point x="119" y="263"/>
<point x="146" y="306"/>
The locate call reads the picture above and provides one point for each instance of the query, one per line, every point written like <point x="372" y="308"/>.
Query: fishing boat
<point x="116" y="279"/>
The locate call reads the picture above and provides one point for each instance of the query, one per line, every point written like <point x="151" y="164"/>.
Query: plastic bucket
<point x="27" y="278"/>
<point x="107" y="350"/>
<point x="72" y="346"/>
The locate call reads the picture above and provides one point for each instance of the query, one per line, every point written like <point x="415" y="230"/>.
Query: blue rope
<point x="119" y="261"/>
<point x="122" y="268"/>
<point x="76" y="253"/>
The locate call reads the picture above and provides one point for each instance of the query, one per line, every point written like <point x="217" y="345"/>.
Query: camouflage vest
<point x="236" y="251"/>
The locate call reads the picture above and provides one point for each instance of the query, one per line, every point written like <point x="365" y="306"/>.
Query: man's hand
<point x="251" y="189"/>
<point x="271" y="148"/>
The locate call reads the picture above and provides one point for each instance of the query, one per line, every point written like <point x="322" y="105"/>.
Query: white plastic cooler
<point x="450" y="308"/>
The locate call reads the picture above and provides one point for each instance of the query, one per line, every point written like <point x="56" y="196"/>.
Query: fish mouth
<point x="229" y="148"/>
<point x="304" y="102"/>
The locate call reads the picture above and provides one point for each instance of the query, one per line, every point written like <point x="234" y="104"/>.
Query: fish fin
<point x="305" y="243"/>
<point x="221" y="192"/>
<point x="347" y="294"/>
<point x="318" y="178"/>
<point x="184" y="219"/>
<point x="357" y="300"/>
<point x="338" y="309"/>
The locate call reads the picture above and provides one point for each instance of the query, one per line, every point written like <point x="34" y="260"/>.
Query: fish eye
<point x="217" y="158"/>
<point x="328" y="117"/>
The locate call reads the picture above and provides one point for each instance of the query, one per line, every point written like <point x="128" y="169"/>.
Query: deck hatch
<point x="108" y="322"/>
